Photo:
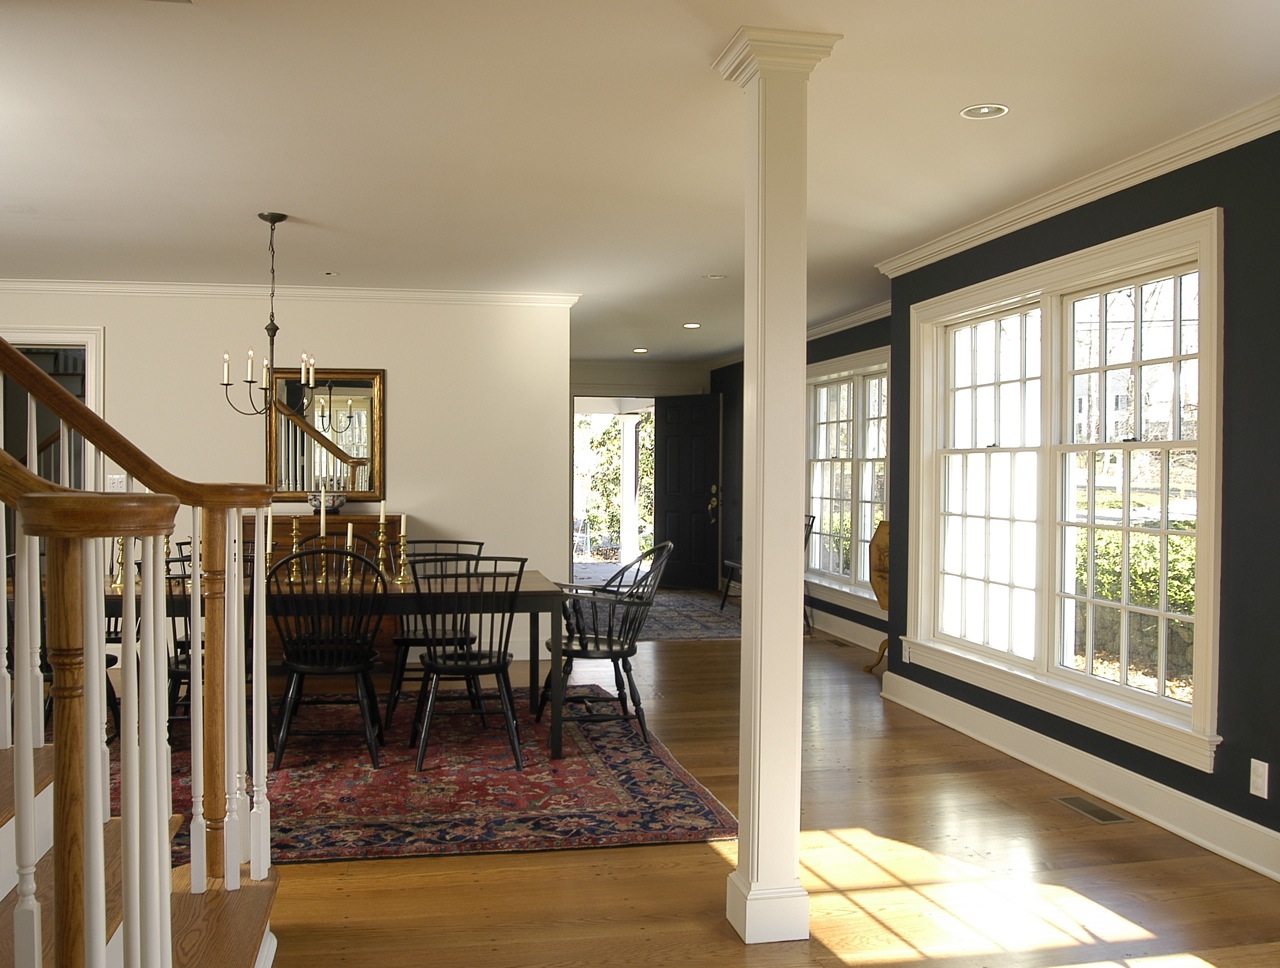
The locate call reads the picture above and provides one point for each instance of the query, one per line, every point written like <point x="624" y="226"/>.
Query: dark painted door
<point x="686" y="488"/>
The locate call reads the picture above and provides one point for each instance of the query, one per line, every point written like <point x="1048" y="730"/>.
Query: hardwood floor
<point x="919" y="846"/>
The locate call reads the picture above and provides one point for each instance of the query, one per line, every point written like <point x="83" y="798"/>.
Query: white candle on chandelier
<point x="266" y="373"/>
<point x="226" y="369"/>
<point x="312" y="364"/>
<point x="248" y="369"/>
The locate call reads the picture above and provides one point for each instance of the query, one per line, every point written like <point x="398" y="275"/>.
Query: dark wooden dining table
<point x="538" y="595"/>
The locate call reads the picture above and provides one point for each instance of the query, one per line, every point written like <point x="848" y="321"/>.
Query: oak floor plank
<point x="919" y="846"/>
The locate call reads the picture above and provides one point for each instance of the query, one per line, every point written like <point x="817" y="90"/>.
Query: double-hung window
<point x="1065" y="440"/>
<point x="848" y="464"/>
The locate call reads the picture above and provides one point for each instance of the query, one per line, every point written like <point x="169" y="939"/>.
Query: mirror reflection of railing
<point x="230" y="813"/>
<point x="331" y="433"/>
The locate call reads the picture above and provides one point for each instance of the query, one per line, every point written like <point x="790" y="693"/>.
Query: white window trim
<point x="1192" y="739"/>
<point x="822" y="586"/>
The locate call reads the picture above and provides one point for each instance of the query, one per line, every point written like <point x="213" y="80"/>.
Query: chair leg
<point x="288" y="706"/>
<point x="113" y="704"/>
<point x="618" y="686"/>
<point x="429" y="692"/>
<point x="369" y="712"/>
<point x="397" y="680"/>
<point x="476" y="695"/>
<point x="545" y="697"/>
<point x="509" y="710"/>
<point x="635" y="698"/>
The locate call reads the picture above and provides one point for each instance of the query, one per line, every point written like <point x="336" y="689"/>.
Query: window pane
<point x="1031" y="418"/>
<point x="1022" y="630"/>
<point x="962" y="357"/>
<point x="954" y="473"/>
<point x="1189" y="399"/>
<point x="952" y="543"/>
<point x="998" y="617"/>
<point x="999" y="496"/>
<point x="998" y="558"/>
<point x="1157" y="319"/>
<point x="975" y="484"/>
<point x="1010" y="339"/>
<point x="1076" y="491"/>
<point x="1182" y="490"/>
<point x="1179" y="646"/>
<point x="1010" y="414"/>
<point x="1075" y="634"/>
<point x="1075" y="561"/>
<point x="1108" y="564"/>
<point x="1146" y="504"/>
<point x="1118" y="405"/>
<point x="1144" y="570"/>
<point x="1106" y="642"/>
<point x="1086" y="417"/>
<point x="1026" y="484"/>
<point x="952" y="611"/>
<point x="1157" y="402"/>
<point x="1108" y="479"/>
<point x="1119" y="326"/>
<point x="1144" y="652"/>
<point x="1024" y="554"/>
<point x="1086" y="318"/>
<point x="975" y="548"/>
<point x="1182" y="574"/>
<point x="962" y="419"/>
<point x="984" y="352"/>
<point x="1190" y="328"/>
<point x="974" y="610"/>
<point x="1031" y="355"/>
<point x="984" y="416"/>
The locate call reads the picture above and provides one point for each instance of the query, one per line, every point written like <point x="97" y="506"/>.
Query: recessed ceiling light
<point x="715" y="275"/>
<point x="693" y="326"/>
<point x="331" y="273"/>
<point x="984" y="112"/>
<point x="640" y="349"/>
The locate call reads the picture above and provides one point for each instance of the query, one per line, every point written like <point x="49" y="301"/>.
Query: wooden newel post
<point x="213" y="587"/>
<point x="65" y="519"/>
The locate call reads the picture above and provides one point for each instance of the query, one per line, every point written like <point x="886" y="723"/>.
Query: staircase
<point x="86" y="825"/>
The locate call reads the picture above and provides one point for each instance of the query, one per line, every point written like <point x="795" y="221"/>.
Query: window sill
<point x="1165" y="735"/>
<point x="848" y="596"/>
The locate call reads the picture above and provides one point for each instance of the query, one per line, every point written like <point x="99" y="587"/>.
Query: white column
<point x="766" y="901"/>
<point x="628" y="480"/>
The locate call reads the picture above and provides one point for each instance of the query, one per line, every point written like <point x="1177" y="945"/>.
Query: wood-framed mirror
<point x="330" y="432"/>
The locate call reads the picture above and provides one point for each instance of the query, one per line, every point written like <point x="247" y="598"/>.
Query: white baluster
<point x="152" y="826"/>
<point x="95" y="866"/>
<point x="130" y="771"/>
<point x="162" y="792"/>
<point x="231" y="843"/>
<point x="6" y="682"/>
<point x="28" y="946"/>
<point x="260" y="818"/>
<point x="195" y="694"/>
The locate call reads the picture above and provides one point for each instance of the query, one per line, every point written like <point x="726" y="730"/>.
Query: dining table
<point x="538" y="595"/>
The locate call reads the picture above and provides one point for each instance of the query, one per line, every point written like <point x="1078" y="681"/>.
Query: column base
<point x="761" y="915"/>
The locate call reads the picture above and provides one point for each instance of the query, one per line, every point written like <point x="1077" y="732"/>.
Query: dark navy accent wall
<point x="727" y="381"/>
<point x="1245" y="183"/>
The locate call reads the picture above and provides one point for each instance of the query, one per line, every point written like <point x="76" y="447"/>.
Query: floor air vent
<point x="1094" y="811"/>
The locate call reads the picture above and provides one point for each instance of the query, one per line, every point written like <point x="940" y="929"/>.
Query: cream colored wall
<point x="477" y="394"/>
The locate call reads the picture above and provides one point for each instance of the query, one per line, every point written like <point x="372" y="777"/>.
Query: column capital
<point x="754" y="49"/>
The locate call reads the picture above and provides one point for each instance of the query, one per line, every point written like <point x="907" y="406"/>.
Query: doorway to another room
<point x="613" y="446"/>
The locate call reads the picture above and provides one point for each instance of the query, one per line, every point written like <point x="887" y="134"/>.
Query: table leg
<point x="535" y="646"/>
<point x="557" y="689"/>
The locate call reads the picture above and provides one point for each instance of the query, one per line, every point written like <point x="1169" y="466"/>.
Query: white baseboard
<point x="842" y="628"/>
<point x="1243" y="841"/>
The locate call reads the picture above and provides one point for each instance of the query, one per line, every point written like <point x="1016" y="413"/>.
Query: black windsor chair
<point x="466" y="606"/>
<point x="603" y="622"/>
<point x="327" y="605"/>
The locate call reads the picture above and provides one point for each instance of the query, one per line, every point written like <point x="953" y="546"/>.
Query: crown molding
<point x="861" y="317"/>
<point x="753" y="49"/>
<point x="1248" y="125"/>
<point x="204" y="290"/>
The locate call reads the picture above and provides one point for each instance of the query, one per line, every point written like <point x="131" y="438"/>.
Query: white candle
<point x="312" y="364"/>
<point x="350" y="534"/>
<point x="322" y="531"/>
<point x="226" y="369"/>
<point x="382" y="512"/>
<point x="404" y="524"/>
<point x="266" y="372"/>
<point x="248" y="369"/>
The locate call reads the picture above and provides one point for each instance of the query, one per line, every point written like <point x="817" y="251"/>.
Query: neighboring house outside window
<point x="1065" y="441"/>
<point x="848" y="465"/>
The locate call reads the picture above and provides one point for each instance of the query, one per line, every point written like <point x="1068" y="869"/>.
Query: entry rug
<point x="611" y="789"/>
<point x="691" y="614"/>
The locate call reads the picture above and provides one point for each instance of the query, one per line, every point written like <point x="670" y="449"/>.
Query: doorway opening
<point x="612" y="484"/>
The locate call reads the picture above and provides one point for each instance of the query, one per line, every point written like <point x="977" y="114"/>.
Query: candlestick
<point x="383" y="561"/>
<point x="402" y="576"/>
<point x="295" y="574"/>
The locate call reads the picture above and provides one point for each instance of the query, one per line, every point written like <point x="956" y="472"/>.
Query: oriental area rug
<point x="610" y="789"/>
<point x="691" y="614"/>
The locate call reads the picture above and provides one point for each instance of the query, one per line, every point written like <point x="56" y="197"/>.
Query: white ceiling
<point x="567" y="146"/>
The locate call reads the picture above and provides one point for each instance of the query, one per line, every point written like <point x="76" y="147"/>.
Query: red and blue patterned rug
<point x="610" y="789"/>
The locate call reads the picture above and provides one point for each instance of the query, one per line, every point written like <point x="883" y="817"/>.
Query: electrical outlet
<point x="1258" y="776"/>
<point x="116" y="482"/>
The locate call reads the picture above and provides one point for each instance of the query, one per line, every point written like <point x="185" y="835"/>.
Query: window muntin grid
<point x="990" y="482"/>
<point x="848" y="472"/>
<point x="1127" y="541"/>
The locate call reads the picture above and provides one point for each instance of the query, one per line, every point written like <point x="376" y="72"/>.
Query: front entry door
<point x="686" y="488"/>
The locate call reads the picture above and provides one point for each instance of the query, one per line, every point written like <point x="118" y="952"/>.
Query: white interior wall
<point x="478" y="401"/>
